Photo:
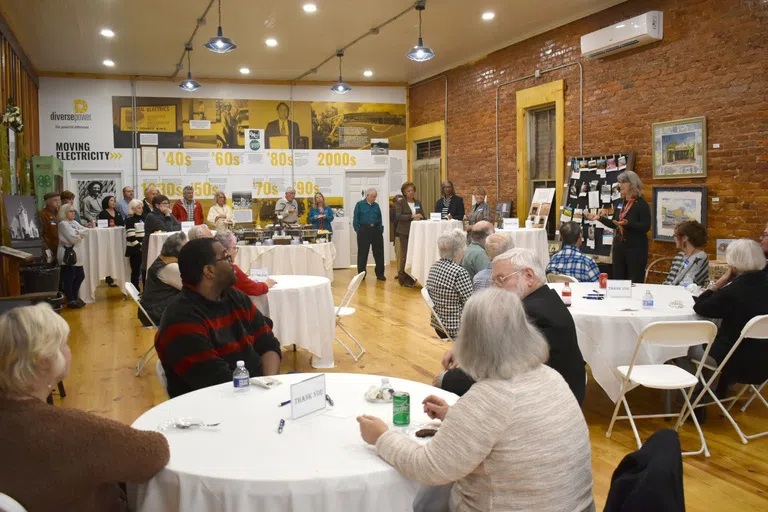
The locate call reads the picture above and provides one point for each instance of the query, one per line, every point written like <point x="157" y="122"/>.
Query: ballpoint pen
<point x="284" y="403"/>
<point x="328" y="398"/>
<point x="280" y="428"/>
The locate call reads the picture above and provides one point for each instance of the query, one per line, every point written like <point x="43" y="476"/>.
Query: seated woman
<point x="56" y="458"/>
<point x="691" y="265"/>
<point x="517" y="440"/>
<point x="110" y="213"/>
<point x="448" y="283"/>
<point x="736" y="298"/>
<point x="163" y="281"/>
<point x="71" y="234"/>
<point x="244" y="283"/>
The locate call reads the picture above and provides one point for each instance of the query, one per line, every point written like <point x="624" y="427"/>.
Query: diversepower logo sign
<point x="78" y="119"/>
<point x="68" y="150"/>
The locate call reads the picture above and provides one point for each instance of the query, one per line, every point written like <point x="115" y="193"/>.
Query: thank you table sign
<point x="102" y="223"/>
<point x="259" y="274"/>
<point x="308" y="396"/>
<point x="619" y="289"/>
<point x="435" y="216"/>
<point x="187" y="225"/>
<point x="511" y="223"/>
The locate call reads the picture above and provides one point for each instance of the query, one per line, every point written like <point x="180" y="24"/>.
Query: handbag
<point x="70" y="258"/>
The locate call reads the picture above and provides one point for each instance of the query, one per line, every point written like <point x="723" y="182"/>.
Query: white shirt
<point x="412" y="206"/>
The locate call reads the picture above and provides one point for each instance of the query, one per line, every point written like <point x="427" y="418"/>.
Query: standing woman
<point x="134" y="236"/>
<point x="109" y="212"/>
<point x="407" y="210"/>
<point x="71" y="233"/>
<point x="481" y="210"/>
<point x="450" y="206"/>
<point x="321" y="215"/>
<point x="220" y="216"/>
<point x="630" y="243"/>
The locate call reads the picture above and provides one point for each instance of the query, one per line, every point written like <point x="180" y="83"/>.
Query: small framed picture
<point x="680" y="149"/>
<point x="148" y="158"/>
<point x="673" y="205"/>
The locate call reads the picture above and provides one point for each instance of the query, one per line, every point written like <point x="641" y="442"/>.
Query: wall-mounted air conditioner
<point x="644" y="29"/>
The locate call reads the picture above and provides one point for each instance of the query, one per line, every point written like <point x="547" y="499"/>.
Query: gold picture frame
<point x="680" y="148"/>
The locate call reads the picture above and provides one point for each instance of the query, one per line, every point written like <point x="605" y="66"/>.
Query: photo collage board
<point x="591" y="186"/>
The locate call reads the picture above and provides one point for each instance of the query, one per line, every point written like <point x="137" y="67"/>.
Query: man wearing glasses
<point x="158" y="221"/>
<point x="520" y="271"/>
<point x="210" y="326"/>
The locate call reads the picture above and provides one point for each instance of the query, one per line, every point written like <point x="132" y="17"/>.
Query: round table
<point x="302" y="310"/>
<point x="534" y="239"/>
<point x="607" y="333"/>
<point x="303" y="259"/>
<point x="422" y="246"/>
<point x="319" y="462"/>
<point x="104" y="255"/>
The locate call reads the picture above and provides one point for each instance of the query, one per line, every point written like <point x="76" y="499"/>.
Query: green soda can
<point x="401" y="408"/>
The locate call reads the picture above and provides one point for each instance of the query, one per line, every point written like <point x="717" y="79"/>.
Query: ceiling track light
<point x="189" y="84"/>
<point x="420" y="53"/>
<point x="340" y="87"/>
<point x="220" y="44"/>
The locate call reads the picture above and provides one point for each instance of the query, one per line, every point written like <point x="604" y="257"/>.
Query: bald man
<point x="475" y="257"/>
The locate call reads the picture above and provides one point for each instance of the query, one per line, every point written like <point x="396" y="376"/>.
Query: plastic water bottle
<point x="566" y="294"/>
<point x="648" y="300"/>
<point x="241" y="378"/>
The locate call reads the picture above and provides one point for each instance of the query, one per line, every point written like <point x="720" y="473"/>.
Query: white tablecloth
<point x="104" y="255"/>
<point x="302" y="310"/>
<point x="156" y="241"/>
<point x="534" y="239"/>
<point x="608" y="336"/>
<point x="319" y="463"/>
<point x="305" y="259"/>
<point x="422" y="246"/>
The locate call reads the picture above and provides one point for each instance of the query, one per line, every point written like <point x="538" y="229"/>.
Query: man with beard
<point x="210" y="326"/>
<point x="520" y="271"/>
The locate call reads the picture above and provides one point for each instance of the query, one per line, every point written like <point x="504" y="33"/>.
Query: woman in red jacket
<point x="244" y="283"/>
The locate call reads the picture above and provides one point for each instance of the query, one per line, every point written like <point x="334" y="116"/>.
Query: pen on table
<point x="284" y="403"/>
<point x="328" y="398"/>
<point x="280" y="428"/>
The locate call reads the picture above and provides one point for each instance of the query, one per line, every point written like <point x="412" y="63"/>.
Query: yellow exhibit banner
<point x="154" y="118"/>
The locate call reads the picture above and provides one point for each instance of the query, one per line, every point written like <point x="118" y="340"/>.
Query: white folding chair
<point x="8" y="504"/>
<point x="150" y="353"/>
<point x="757" y="328"/>
<point x="431" y="304"/>
<point x="344" y="310"/>
<point x="665" y="376"/>
<point x="561" y="278"/>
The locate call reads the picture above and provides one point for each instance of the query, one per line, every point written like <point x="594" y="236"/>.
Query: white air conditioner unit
<point x="644" y="29"/>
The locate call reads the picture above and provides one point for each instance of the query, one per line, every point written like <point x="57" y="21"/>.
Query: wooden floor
<point x="392" y="322"/>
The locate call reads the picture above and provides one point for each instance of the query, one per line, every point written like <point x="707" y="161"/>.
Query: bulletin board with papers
<point x="591" y="187"/>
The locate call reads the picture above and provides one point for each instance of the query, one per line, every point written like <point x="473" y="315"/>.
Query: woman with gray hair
<point x="163" y="280"/>
<point x="55" y="458"/>
<point x="448" y="283"/>
<point x="630" y="242"/>
<point x="228" y="240"/>
<point x="516" y="440"/>
<point x="736" y="299"/>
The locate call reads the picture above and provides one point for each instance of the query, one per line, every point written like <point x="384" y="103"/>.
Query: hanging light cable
<point x="340" y="87"/>
<point x="189" y="84"/>
<point x="420" y="53"/>
<point x="220" y="44"/>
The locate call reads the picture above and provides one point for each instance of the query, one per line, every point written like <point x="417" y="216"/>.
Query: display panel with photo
<point x="23" y="221"/>
<point x="673" y="205"/>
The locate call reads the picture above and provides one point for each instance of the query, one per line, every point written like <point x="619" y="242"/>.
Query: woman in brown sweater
<point x="60" y="459"/>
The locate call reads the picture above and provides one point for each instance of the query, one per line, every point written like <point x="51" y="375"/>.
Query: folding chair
<point x="431" y="304"/>
<point x="161" y="375"/>
<point x="665" y="376"/>
<point x="344" y="310"/>
<point x="561" y="278"/>
<point x="150" y="353"/>
<point x="757" y="328"/>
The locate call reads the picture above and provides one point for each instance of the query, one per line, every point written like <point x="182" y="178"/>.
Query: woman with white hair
<point x="448" y="283"/>
<point x="516" y="440"/>
<point x="70" y="256"/>
<point x="134" y="237"/>
<point x="243" y="283"/>
<point x="56" y="458"/>
<point x="630" y="242"/>
<point x="738" y="297"/>
<point x="220" y="216"/>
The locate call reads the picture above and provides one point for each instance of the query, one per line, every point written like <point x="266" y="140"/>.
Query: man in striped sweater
<point x="210" y="326"/>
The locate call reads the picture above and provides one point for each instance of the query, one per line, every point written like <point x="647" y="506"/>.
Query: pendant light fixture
<point x="220" y="44"/>
<point x="420" y="53"/>
<point x="189" y="84"/>
<point x="340" y="87"/>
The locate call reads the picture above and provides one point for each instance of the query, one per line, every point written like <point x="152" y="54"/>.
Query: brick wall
<point x="712" y="62"/>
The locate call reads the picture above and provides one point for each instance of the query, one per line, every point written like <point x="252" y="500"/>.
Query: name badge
<point x="308" y="396"/>
<point x="619" y="288"/>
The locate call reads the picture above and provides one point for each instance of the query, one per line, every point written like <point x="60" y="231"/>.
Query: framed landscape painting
<point x="673" y="205"/>
<point x="680" y="148"/>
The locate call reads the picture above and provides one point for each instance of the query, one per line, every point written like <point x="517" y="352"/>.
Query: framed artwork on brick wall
<point x="680" y="149"/>
<point x="673" y="205"/>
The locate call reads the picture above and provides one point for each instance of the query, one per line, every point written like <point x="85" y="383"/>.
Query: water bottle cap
<point x="240" y="364"/>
